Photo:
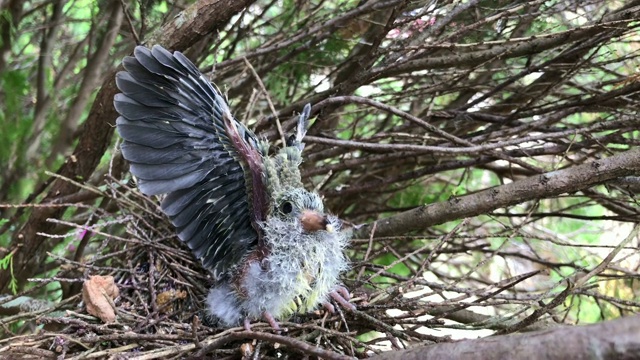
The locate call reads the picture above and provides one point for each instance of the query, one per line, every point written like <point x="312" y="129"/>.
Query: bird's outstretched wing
<point x="182" y="140"/>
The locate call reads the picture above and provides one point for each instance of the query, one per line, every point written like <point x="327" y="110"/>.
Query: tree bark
<point x="541" y="186"/>
<point x="615" y="339"/>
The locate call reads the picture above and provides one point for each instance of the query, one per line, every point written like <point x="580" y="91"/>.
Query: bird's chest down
<point x="295" y="276"/>
<point x="292" y="279"/>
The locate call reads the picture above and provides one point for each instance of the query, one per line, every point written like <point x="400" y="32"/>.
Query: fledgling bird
<point x="269" y="245"/>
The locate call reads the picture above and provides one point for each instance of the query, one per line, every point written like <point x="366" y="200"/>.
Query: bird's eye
<point x="286" y="207"/>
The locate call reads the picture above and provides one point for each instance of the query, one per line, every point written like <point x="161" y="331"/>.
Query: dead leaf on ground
<point x="98" y="293"/>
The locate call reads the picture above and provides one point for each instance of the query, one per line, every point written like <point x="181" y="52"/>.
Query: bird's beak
<point x="313" y="221"/>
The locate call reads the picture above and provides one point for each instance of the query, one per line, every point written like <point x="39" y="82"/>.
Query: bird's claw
<point x="272" y="321"/>
<point x="344" y="292"/>
<point x="330" y="308"/>
<point x="267" y="316"/>
<point x="341" y="296"/>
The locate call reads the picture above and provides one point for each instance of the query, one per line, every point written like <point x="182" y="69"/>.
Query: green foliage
<point x="81" y="10"/>
<point x="16" y="126"/>
<point x="6" y="264"/>
<point x="5" y="16"/>
<point x="4" y="237"/>
<point x="388" y="259"/>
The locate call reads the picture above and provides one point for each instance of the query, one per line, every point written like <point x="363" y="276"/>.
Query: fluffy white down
<point x="302" y="269"/>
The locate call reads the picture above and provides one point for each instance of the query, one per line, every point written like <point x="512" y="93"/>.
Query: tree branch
<point x="616" y="339"/>
<point x="534" y="187"/>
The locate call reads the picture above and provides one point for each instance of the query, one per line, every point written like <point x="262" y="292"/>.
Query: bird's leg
<point x="344" y="292"/>
<point x="267" y="316"/>
<point x="330" y="308"/>
<point x="341" y="296"/>
<point x="274" y="324"/>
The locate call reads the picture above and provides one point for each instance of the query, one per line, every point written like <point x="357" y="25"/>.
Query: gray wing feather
<point x="171" y="120"/>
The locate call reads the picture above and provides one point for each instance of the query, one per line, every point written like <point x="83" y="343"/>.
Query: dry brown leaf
<point x="98" y="293"/>
<point x="165" y="297"/>
<point x="246" y="350"/>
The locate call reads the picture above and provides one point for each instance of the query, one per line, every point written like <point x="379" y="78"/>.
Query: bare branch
<point x="536" y="187"/>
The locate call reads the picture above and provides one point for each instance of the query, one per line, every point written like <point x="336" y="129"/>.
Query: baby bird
<point x="268" y="243"/>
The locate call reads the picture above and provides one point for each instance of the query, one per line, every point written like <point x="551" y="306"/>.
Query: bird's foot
<point x="267" y="316"/>
<point x="274" y="324"/>
<point x="341" y="296"/>
<point x="330" y="308"/>
<point x="344" y="292"/>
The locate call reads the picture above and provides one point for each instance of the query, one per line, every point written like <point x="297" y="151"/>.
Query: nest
<point x="137" y="268"/>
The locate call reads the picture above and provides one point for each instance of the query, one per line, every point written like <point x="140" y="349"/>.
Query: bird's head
<point x="290" y="202"/>
<point x="297" y="204"/>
